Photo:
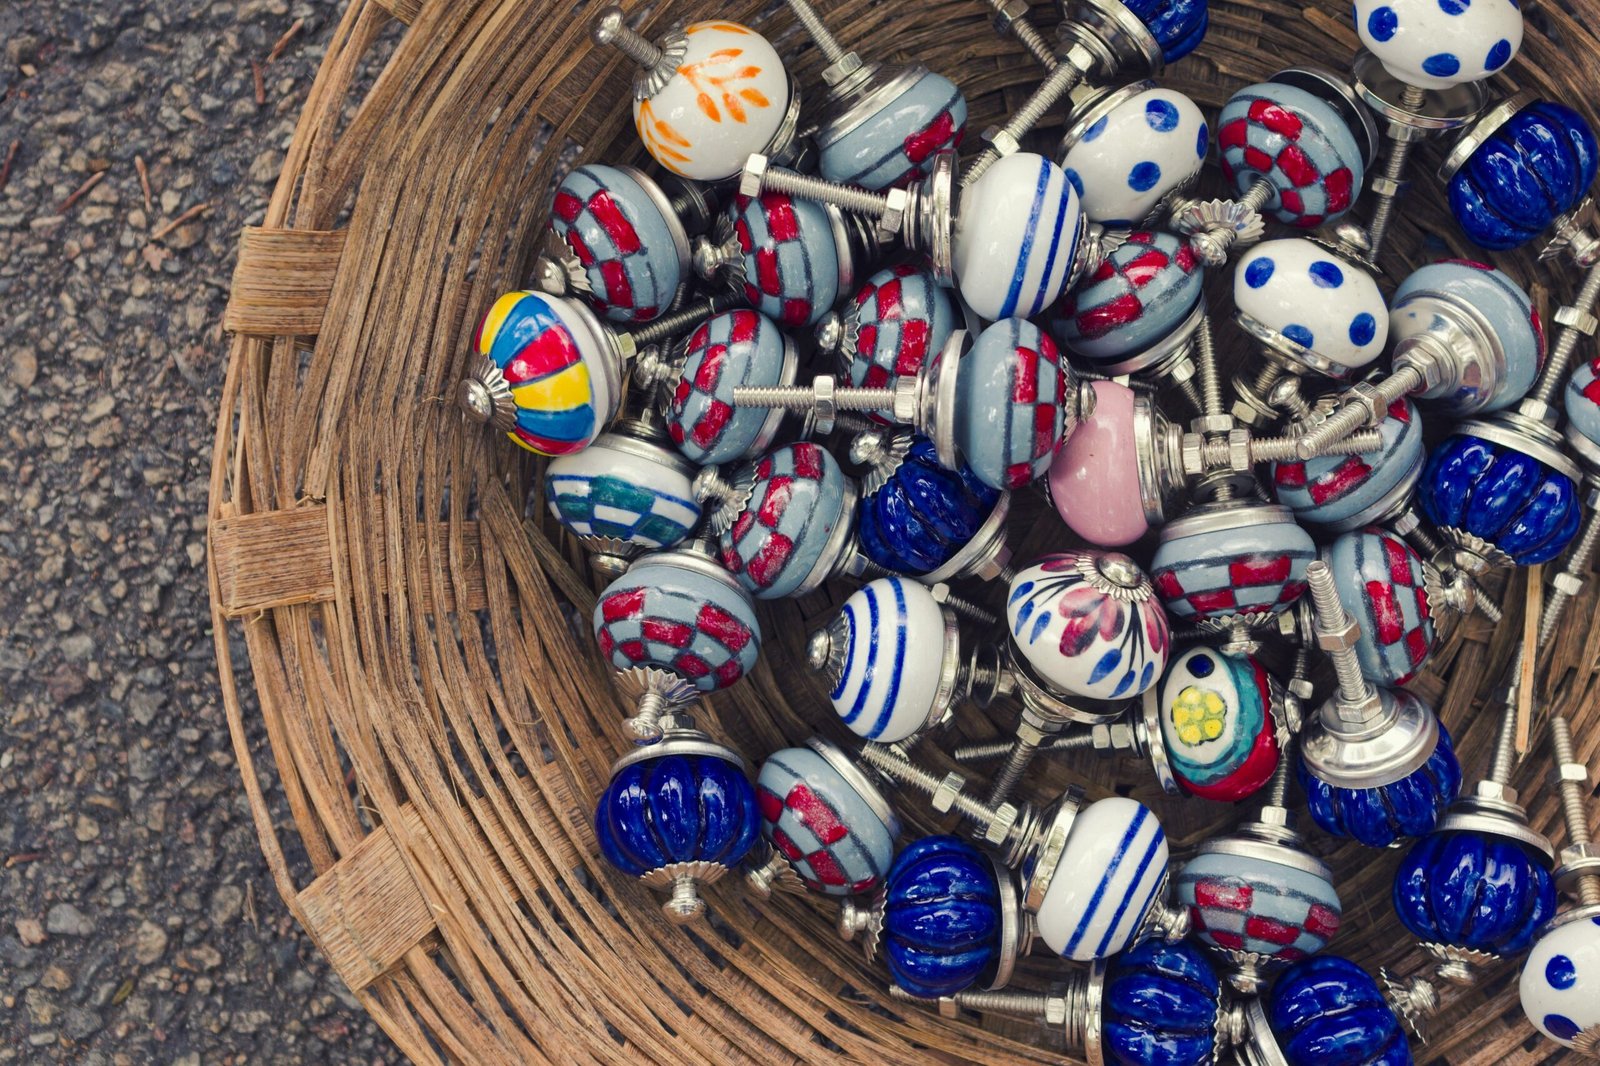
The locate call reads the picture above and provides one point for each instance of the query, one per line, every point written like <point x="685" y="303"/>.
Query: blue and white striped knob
<point x="1018" y="238"/>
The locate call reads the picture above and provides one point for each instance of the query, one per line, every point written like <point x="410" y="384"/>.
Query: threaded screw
<point x="1355" y="413"/>
<point x="1205" y="357"/>
<point x="998" y="831"/>
<point x="1017" y="762"/>
<point x="1577" y="568"/>
<point x="1554" y="372"/>
<point x="817" y="30"/>
<point x="1010" y="16"/>
<point x="803" y="398"/>
<point x="760" y="177"/>
<point x="671" y="325"/>
<point x="1411" y="98"/>
<point x="612" y="30"/>
<point x="1334" y="623"/>
<point x="1572" y="805"/>
<point x="1063" y="77"/>
<point x="994" y="749"/>
<point x="1504" y="759"/>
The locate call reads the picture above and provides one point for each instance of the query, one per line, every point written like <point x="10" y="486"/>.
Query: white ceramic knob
<point x="1109" y="875"/>
<point x="1434" y="44"/>
<point x="1016" y="237"/>
<point x="1560" y="984"/>
<point x="1312" y="297"/>
<point x="888" y="645"/>
<point x="1126" y="160"/>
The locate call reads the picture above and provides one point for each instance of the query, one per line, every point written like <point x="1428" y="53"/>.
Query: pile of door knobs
<point x="827" y="344"/>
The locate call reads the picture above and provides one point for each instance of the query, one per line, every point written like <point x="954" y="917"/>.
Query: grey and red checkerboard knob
<point x="735" y="348"/>
<point x="897" y="321"/>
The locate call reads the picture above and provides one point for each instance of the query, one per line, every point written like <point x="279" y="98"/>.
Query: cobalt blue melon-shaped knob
<point x="1327" y="1011"/>
<point x="678" y="814"/>
<point x="1470" y="891"/>
<point x="941" y="917"/>
<point x="1508" y="502"/>
<point x="917" y="516"/>
<point x="1177" y="25"/>
<point x="1380" y="815"/>
<point x="1159" y="1006"/>
<point x="1536" y="165"/>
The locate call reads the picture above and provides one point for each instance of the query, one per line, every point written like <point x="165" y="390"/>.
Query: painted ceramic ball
<point x="915" y="115"/>
<point x="1296" y="141"/>
<point x="1535" y="166"/>
<point x="1337" y="493"/>
<point x="1138" y="296"/>
<point x="893" y="326"/>
<point x="1491" y="299"/>
<point x="726" y="101"/>
<point x="887" y="685"/>
<point x="623" y="489"/>
<point x="1246" y="898"/>
<point x="1177" y="25"/>
<point x="1244" y="561"/>
<point x="729" y="350"/>
<point x="1474" y="890"/>
<point x="1507" y="498"/>
<point x="1016" y="237"/>
<point x="1089" y="624"/>
<point x="836" y="831"/>
<point x="1094" y="475"/>
<point x="1326" y="1009"/>
<point x="1381" y="815"/>
<point x="1011" y="392"/>
<point x="634" y="253"/>
<point x="1161" y="131"/>
<point x="1560" y="985"/>
<point x="778" y="546"/>
<point x="941" y="917"/>
<point x="1112" y="871"/>
<point x="1314" y="299"/>
<point x="1434" y="44"/>
<point x="1215" y="714"/>
<point x="673" y="612"/>
<point x="564" y="382"/>
<point x="1159" y="1007"/>
<point x="921" y="517"/>
<point x="795" y="266"/>
<point x="1381" y="583"/>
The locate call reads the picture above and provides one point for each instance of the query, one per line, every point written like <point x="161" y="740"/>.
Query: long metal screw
<point x="1575" y="570"/>
<point x="612" y="29"/>
<point x="1572" y="802"/>
<point x="817" y="30"/>
<point x="671" y="325"/>
<point x="763" y="178"/>
<point x="1212" y="403"/>
<point x="1354" y="414"/>
<point x="892" y="763"/>
<point x="1412" y="98"/>
<point x="993" y="749"/>
<point x="1554" y="373"/>
<point x="1011" y="16"/>
<point x="1504" y="760"/>
<point x="1062" y="79"/>
<point x="803" y="397"/>
<point x="1332" y="620"/>
<point x="1023" y="751"/>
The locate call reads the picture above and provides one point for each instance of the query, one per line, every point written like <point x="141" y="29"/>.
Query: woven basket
<point x="438" y="730"/>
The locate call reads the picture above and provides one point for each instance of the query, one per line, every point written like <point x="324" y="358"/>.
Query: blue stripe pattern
<point x="1055" y="243"/>
<point x="887" y="710"/>
<point x="1025" y="253"/>
<point x="872" y="655"/>
<point x="1091" y="911"/>
<point x="1122" y="908"/>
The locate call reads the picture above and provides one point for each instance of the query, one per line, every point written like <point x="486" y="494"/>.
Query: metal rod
<point x="1060" y="81"/>
<point x="1554" y="373"/>
<point x="1331" y="618"/>
<point x="994" y="749"/>
<point x="1354" y="414"/>
<point x="612" y="29"/>
<point x="1412" y="98"/>
<point x="826" y="42"/>
<point x="1572" y="804"/>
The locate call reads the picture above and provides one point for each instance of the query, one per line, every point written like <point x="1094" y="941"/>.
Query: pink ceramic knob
<point x="1094" y="477"/>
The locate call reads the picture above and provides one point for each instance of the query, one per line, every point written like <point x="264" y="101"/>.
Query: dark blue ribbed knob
<point x="1160" y="1006"/>
<point x="1535" y="166"/>
<point x="1505" y="497"/>
<point x="1474" y="890"/>
<point x="1379" y="816"/>
<point x="1327" y="1011"/>
<point x="923" y="514"/>
<point x="941" y="917"/>
<point x="1178" y="25"/>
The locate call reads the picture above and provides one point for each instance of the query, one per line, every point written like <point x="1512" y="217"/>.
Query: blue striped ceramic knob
<point x="623" y="495"/>
<point x="1178" y="26"/>
<point x="796" y="262"/>
<point x="734" y="348"/>
<point x="1339" y="493"/>
<point x="915" y="115"/>
<point x="1408" y="805"/>
<point x="675" y="612"/>
<point x="1260" y="904"/>
<point x="1088" y="624"/>
<point x="941" y="917"/>
<point x="782" y="543"/>
<point x="624" y="233"/>
<point x="924" y="515"/>
<point x="677" y="814"/>
<point x="883" y="657"/>
<point x="1582" y="402"/>
<point x="1231" y="562"/>
<point x="826" y="818"/>
<point x="1298" y="142"/>
<point x="1535" y="166"/>
<point x="1129" y="148"/>
<point x="1159" y="1007"/>
<point x="1011" y="403"/>
<point x="1434" y="44"/>
<point x="1560" y="984"/>
<point x="1215" y="715"/>
<point x="893" y="326"/>
<point x="1327" y="1009"/>
<point x="1468" y="891"/>
<point x="1140" y="294"/>
<point x="1510" y="501"/>
<point x="1017" y="237"/>
<point x="1383" y="585"/>
<point x="1111" y="876"/>
<point x="1316" y="300"/>
<point x="1432" y="300"/>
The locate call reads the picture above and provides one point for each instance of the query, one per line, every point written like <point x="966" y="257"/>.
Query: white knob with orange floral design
<point x="707" y="96"/>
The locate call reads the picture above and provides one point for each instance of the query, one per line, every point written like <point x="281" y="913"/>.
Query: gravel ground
<point x="137" y="920"/>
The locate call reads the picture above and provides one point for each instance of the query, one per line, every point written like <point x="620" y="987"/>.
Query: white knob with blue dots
<point x="1434" y="44"/>
<point x="1124" y="159"/>
<point x="1315" y="299"/>
<point x="1560" y="986"/>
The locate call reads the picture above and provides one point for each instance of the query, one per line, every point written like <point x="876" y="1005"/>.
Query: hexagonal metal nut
<point x="1055" y="1011"/>
<point x="1339" y="639"/>
<point x="1591" y="497"/>
<point x="1373" y="405"/>
<point x="1191" y="453"/>
<point x="1278" y="816"/>
<point x="896" y="202"/>
<point x="998" y="831"/>
<point x="907" y="399"/>
<point x="1030" y="733"/>
<point x="841" y="68"/>
<point x="1495" y="792"/>
<point x="1116" y="736"/>
<point x="1567" y="583"/>
<point x="944" y="797"/>
<point x="1211" y="425"/>
<point x="1009" y="14"/>
<point x="948" y="1007"/>
<point x="1002" y="141"/>
<point x="1239" y="450"/>
<point x="1570" y="771"/>
<point x="753" y="177"/>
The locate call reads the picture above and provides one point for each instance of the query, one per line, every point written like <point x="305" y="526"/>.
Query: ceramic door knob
<point x="624" y="495"/>
<point x="1322" y="304"/>
<point x="941" y="917"/>
<point x="1326" y="1009"/>
<point x="1582" y="402"/>
<point x="1299" y="144"/>
<point x="1474" y="895"/>
<point x="1139" y="296"/>
<point x="918" y="518"/>
<point x="1560" y="984"/>
<point x="1339" y="493"/>
<point x="1518" y="170"/>
<point x="1215" y="717"/>
<point x="887" y="138"/>
<point x="1390" y="592"/>
<point x="890" y="328"/>
<point x="1435" y="45"/>
<point x="1128" y="148"/>
<point x="1231" y="563"/>
<point x="1503" y="498"/>
<point x="794" y="258"/>
<point x="726" y="351"/>
<point x="1503" y="361"/>
<point x="1017" y="236"/>
<point x="1094" y="476"/>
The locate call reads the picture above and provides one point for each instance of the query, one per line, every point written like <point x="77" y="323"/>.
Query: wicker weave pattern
<point x="437" y="730"/>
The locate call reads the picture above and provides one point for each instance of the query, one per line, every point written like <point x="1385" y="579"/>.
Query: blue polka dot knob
<point x="1211" y="725"/>
<point x="1375" y="764"/>
<point x="1393" y="595"/>
<point x="1467" y="338"/>
<point x="1161" y="130"/>
<point x="675" y="626"/>
<point x="893" y="325"/>
<point x="678" y="814"/>
<point x="1324" y="1009"/>
<point x="1422" y="70"/>
<point x="917" y="517"/>
<point x="1154" y="1005"/>
<point x="793" y="258"/>
<point x="829" y="828"/>
<point x="706" y="95"/>
<point x="735" y="348"/>
<point x="1516" y="172"/>
<point x="999" y="403"/>
<point x="1340" y="493"/>
<point x="626" y="239"/>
